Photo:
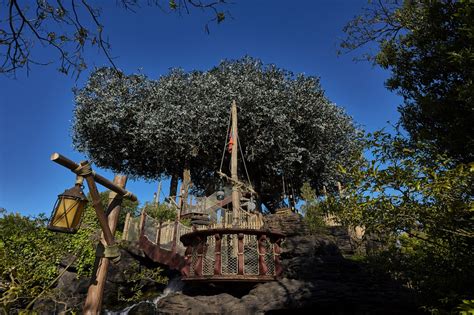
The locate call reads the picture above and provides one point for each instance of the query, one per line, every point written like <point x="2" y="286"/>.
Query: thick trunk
<point x="174" y="185"/>
<point x="186" y="183"/>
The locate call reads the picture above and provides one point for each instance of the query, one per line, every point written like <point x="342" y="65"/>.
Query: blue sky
<point x="302" y="36"/>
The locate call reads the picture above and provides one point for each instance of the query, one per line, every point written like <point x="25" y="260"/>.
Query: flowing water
<point x="174" y="285"/>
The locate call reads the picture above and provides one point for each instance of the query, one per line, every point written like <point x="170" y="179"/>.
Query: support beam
<point x="262" y="251"/>
<point x="240" y="254"/>
<point x="217" y="253"/>
<point x="99" y="210"/>
<point x="93" y="303"/>
<point x="73" y="166"/>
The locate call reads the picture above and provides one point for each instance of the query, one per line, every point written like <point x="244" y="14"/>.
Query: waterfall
<point x="174" y="285"/>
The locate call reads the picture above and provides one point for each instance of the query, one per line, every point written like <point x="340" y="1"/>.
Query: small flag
<point x="230" y="144"/>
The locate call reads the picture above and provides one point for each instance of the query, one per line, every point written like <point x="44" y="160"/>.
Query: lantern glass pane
<point x="65" y="212"/>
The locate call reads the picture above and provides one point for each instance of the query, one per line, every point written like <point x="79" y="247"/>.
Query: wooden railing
<point x="232" y="255"/>
<point x="245" y="220"/>
<point x="165" y="234"/>
<point x="216" y="252"/>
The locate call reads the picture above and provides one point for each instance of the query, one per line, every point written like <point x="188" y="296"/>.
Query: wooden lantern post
<point x="108" y="225"/>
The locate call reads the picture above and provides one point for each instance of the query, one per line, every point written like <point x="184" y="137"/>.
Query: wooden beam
<point x="73" y="166"/>
<point x="217" y="255"/>
<point x="240" y="254"/>
<point x="99" y="210"/>
<point x="262" y="264"/>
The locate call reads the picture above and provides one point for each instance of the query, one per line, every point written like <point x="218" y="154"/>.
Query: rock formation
<point x="319" y="277"/>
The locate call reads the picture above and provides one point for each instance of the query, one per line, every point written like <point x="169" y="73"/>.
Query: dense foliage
<point x="30" y="255"/>
<point x="161" y="212"/>
<point x="313" y="209"/>
<point x="420" y="209"/>
<point x="428" y="46"/>
<point x="148" y="128"/>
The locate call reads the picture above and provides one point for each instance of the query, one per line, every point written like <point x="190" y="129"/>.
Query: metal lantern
<point x="220" y="194"/>
<point x="68" y="210"/>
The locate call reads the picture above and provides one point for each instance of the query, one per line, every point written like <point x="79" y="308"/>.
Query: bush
<point x="161" y="212"/>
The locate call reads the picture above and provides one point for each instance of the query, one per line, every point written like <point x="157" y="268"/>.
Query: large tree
<point x="428" y="46"/>
<point x="287" y="126"/>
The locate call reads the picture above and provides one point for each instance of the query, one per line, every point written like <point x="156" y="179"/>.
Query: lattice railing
<point x="150" y="229"/>
<point x="269" y="257"/>
<point x="251" y="255"/>
<point x="166" y="230"/>
<point x="229" y="254"/>
<point x="209" y="256"/>
<point x="131" y="230"/>
<point x="236" y="253"/>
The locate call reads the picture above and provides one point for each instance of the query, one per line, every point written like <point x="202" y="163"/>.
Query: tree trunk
<point x="174" y="185"/>
<point x="186" y="183"/>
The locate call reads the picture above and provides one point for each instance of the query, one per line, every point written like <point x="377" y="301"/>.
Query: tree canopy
<point x="152" y="128"/>
<point x="429" y="48"/>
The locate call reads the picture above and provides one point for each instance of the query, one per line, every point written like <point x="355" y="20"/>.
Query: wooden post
<point x="126" y="226"/>
<point x="200" y="252"/>
<point x="234" y="175"/>
<point x="142" y="223"/>
<point x="276" y="255"/>
<point x="262" y="264"/>
<point x="158" y="193"/>
<point x="93" y="303"/>
<point x="99" y="210"/>
<point x="175" y="235"/>
<point x="217" y="257"/>
<point x="188" y="257"/>
<point x="240" y="254"/>
<point x="158" y="234"/>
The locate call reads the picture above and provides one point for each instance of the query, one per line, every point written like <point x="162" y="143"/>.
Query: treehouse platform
<point x="213" y="253"/>
<point x="225" y="239"/>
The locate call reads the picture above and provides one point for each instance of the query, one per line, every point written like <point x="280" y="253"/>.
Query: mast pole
<point x="158" y="193"/>
<point x="235" y="150"/>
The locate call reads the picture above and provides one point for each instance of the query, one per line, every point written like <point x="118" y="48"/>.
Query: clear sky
<point x="301" y="36"/>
